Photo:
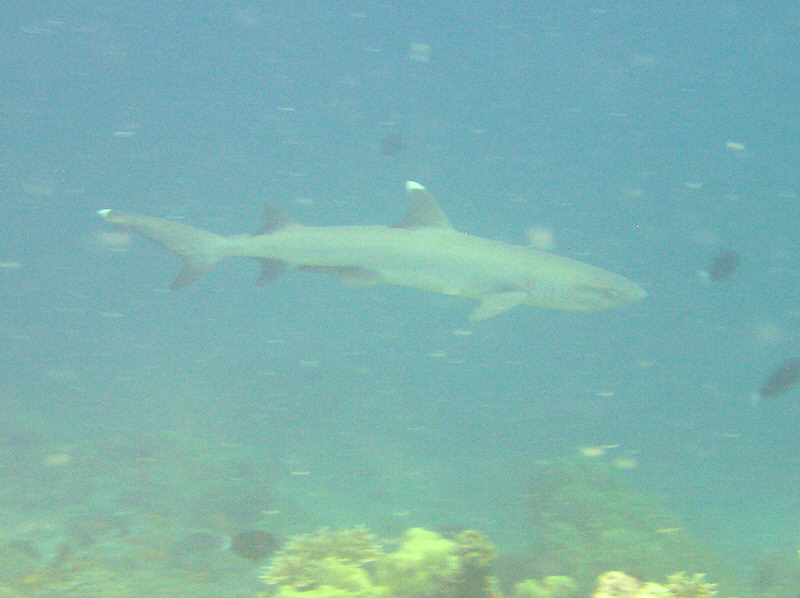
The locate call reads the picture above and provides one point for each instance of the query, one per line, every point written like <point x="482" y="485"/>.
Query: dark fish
<point x="780" y="380"/>
<point x="255" y="545"/>
<point x="392" y="145"/>
<point x="723" y="266"/>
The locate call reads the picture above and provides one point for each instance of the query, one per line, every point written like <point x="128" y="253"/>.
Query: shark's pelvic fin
<point x="423" y="211"/>
<point x="271" y="269"/>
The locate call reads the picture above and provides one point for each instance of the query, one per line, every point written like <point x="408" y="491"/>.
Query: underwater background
<point x="139" y="426"/>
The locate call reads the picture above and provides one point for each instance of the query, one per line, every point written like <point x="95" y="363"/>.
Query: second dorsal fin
<point x="274" y="219"/>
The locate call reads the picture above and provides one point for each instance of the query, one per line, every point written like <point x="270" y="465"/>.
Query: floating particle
<point x="540" y="237"/>
<point x="592" y="451"/>
<point x="57" y="459"/>
<point x="419" y="52"/>
<point x="625" y="463"/>
<point x="37" y="189"/>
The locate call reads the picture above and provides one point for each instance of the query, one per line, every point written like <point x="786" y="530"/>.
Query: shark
<point x="422" y="251"/>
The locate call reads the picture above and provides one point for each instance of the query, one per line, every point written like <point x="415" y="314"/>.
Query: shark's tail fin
<point x="199" y="250"/>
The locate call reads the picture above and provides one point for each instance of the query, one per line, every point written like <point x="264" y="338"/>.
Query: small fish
<point x="392" y="145"/>
<point x="723" y="266"/>
<point x="780" y="380"/>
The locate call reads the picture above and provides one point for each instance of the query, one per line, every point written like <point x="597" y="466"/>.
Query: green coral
<point x="553" y="586"/>
<point x="585" y="520"/>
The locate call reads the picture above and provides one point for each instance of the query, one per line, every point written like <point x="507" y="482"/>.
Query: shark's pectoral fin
<point x="352" y="276"/>
<point x="498" y="303"/>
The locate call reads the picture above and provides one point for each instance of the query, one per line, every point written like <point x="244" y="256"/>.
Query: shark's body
<point x="422" y="251"/>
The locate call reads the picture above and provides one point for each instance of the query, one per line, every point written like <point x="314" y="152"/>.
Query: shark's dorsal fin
<point x="423" y="211"/>
<point x="274" y="219"/>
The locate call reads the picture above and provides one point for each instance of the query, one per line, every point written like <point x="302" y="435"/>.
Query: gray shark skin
<point x="422" y="251"/>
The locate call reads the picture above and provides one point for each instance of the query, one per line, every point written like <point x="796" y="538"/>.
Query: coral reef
<point x="424" y="564"/>
<point x="682" y="585"/>
<point x="477" y="555"/>
<point x="585" y="521"/>
<point x="553" y="586"/>
<point x="327" y="562"/>
<point x="776" y="574"/>
<point x="349" y="563"/>
<point x="615" y="584"/>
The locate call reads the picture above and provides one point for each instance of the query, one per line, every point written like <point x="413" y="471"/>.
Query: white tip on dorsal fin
<point x="423" y="211"/>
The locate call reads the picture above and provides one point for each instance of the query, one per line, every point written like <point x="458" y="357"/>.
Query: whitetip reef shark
<point x="422" y="251"/>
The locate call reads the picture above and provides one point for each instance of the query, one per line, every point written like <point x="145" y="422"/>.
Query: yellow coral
<point x="336" y="579"/>
<point x="349" y="563"/>
<point x="425" y="564"/>
<point x="326" y="563"/>
<point x="615" y="584"/>
<point x="696" y="586"/>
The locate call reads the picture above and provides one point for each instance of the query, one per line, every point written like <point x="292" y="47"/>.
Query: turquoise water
<point x="643" y="139"/>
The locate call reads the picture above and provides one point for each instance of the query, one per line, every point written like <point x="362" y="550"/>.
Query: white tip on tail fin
<point x="412" y="186"/>
<point x="104" y="213"/>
